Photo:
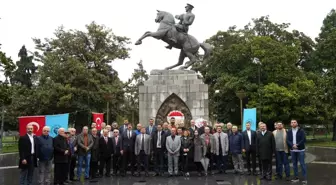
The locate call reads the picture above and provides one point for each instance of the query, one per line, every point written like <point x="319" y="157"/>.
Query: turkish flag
<point x="98" y="118"/>
<point x="38" y="123"/>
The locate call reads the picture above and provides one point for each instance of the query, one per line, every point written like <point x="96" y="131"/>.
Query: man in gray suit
<point x="221" y="149"/>
<point x="173" y="145"/>
<point x="142" y="150"/>
<point x="210" y="142"/>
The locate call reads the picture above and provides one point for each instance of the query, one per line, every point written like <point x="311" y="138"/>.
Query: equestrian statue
<point x="176" y="35"/>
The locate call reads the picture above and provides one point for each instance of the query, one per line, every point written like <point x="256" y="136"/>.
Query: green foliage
<point x="131" y="106"/>
<point x="269" y="63"/>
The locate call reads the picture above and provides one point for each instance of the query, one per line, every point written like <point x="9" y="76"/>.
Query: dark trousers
<point x="266" y="168"/>
<point x="199" y="167"/>
<point x="211" y="160"/>
<point x="93" y="169"/>
<point x="251" y="156"/>
<point x="27" y="173"/>
<point x="72" y="166"/>
<point x="260" y="165"/>
<point x="221" y="162"/>
<point x="142" y="159"/>
<point x="185" y="163"/>
<point x="116" y="163"/>
<point x="128" y="157"/>
<point x="60" y="172"/>
<point x="159" y="160"/>
<point x="105" y="162"/>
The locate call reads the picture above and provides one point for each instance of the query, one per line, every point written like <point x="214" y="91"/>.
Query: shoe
<point x="278" y="177"/>
<point x="146" y="174"/>
<point x="255" y="173"/>
<point x="107" y="175"/>
<point x="187" y="174"/>
<point x="169" y="47"/>
<point x="249" y="173"/>
<point x="156" y="174"/>
<point x="296" y="179"/>
<point x="304" y="182"/>
<point x="199" y="174"/>
<point x="241" y="173"/>
<point x="170" y="175"/>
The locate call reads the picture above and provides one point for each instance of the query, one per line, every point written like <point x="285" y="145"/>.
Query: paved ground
<point x="318" y="174"/>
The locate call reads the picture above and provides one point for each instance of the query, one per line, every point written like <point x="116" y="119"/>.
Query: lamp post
<point x="257" y="61"/>
<point x="108" y="98"/>
<point x="217" y="105"/>
<point x="241" y="95"/>
<point x="3" y="116"/>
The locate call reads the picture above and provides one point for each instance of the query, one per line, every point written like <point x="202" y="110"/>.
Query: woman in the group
<point x="186" y="144"/>
<point x="199" y="151"/>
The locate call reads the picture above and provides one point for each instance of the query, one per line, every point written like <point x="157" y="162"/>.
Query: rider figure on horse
<point x="183" y="26"/>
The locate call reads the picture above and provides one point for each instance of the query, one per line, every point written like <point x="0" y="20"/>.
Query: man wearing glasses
<point x="116" y="145"/>
<point x="45" y="155"/>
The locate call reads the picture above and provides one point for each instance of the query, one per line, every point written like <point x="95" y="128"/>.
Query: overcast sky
<point x="23" y="19"/>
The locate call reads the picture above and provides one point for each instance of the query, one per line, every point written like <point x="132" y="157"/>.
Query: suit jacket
<point x="192" y="131"/>
<point x="147" y="143"/>
<point x="173" y="146"/>
<point x="201" y="130"/>
<point x="212" y="143"/>
<point x="60" y="146"/>
<point x="265" y="145"/>
<point x="25" y="151"/>
<point x="224" y="143"/>
<point x="155" y="139"/>
<point x="105" y="149"/>
<point x="246" y="141"/>
<point x="116" y="146"/>
<point x="122" y="128"/>
<point x="153" y="130"/>
<point x="128" y="143"/>
<point x="80" y="142"/>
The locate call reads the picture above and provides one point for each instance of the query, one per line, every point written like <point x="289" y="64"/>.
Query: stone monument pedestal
<point x="169" y="90"/>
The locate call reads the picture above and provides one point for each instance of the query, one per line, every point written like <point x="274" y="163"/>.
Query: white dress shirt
<point x="249" y="135"/>
<point x="294" y="130"/>
<point x="158" y="144"/>
<point x="31" y="137"/>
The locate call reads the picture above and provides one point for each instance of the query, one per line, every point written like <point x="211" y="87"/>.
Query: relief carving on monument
<point x="173" y="102"/>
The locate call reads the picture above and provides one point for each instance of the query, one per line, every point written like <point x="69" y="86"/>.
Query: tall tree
<point x="325" y="64"/>
<point x="25" y="69"/>
<point x="137" y="79"/>
<point x="279" y="55"/>
<point x="76" y="74"/>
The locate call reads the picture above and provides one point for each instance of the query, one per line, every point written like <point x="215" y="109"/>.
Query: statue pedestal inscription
<point x="173" y="90"/>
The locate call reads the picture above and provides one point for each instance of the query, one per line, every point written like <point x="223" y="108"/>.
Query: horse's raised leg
<point x="139" y="41"/>
<point x="180" y="60"/>
<point x="192" y="59"/>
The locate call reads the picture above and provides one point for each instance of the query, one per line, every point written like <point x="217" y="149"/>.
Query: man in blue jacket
<point x="45" y="155"/>
<point x="236" y="147"/>
<point x="296" y="139"/>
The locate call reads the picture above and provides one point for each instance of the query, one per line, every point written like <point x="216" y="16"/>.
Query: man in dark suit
<point x="265" y="150"/>
<point x="27" y="153"/>
<point x="158" y="144"/>
<point x="123" y="127"/>
<point x="151" y="127"/>
<point x="116" y="144"/>
<point x="61" y="157"/>
<point x="249" y="147"/>
<point x="192" y="128"/>
<point x="127" y="149"/>
<point x="106" y="150"/>
<point x="201" y="130"/>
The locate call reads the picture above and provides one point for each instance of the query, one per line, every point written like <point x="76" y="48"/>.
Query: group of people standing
<point x="169" y="147"/>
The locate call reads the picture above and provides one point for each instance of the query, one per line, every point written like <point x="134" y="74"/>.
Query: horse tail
<point x="207" y="49"/>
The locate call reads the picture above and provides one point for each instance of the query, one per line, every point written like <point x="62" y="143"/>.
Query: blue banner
<point x="250" y="115"/>
<point x="57" y="121"/>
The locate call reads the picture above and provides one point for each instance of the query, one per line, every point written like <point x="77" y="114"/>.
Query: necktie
<point x="143" y="142"/>
<point x="220" y="143"/>
<point x="159" y="140"/>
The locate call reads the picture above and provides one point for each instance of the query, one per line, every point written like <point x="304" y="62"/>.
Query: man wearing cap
<point x="183" y="26"/>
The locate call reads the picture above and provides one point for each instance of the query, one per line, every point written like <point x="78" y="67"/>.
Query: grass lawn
<point x="10" y="148"/>
<point x="322" y="143"/>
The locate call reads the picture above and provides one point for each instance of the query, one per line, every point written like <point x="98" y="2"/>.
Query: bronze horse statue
<point x="188" y="44"/>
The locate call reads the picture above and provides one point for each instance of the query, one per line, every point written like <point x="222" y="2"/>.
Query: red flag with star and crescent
<point x="38" y="123"/>
<point x="98" y="118"/>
